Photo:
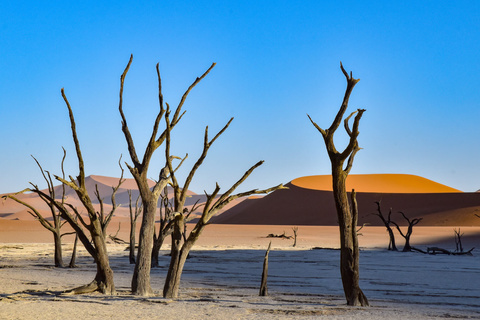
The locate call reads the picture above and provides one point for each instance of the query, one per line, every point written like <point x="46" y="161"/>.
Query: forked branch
<point x="154" y="142"/>
<point x="352" y="147"/>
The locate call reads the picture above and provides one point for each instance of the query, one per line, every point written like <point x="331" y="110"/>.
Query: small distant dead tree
<point x="181" y="247"/>
<point x="458" y="240"/>
<point x="347" y="215"/>
<point x="263" y="285"/>
<point x="387" y="222"/>
<point x="56" y="223"/>
<point x="295" y="230"/>
<point x="134" y="214"/>
<point x="408" y="234"/>
<point x="141" y="276"/>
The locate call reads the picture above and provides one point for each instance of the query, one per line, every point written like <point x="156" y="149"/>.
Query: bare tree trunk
<point x="347" y="217"/>
<point x="131" y="255"/>
<point x="104" y="277"/>
<point x="407" y="246"/>
<point x="295" y="230"/>
<point x="74" y="253"/>
<point x="177" y="260"/>
<point x="103" y="280"/>
<point x="133" y="225"/>
<point x="349" y="252"/>
<point x="263" y="285"/>
<point x="58" y="250"/>
<point x="357" y="297"/>
<point x="391" y="243"/>
<point x="141" y="275"/>
<point x="156" y="252"/>
<point x="458" y="240"/>
<point x="157" y="245"/>
<point x="166" y="225"/>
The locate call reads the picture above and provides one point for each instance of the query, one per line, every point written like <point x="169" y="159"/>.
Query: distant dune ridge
<point x="11" y="210"/>
<point x="377" y="183"/>
<point x="309" y="201"/>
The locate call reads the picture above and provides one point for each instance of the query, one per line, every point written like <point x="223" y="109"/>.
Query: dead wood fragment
<point x="263" y="286"/>
<point x="437" y="250"/>
<point x="282" y="236"/>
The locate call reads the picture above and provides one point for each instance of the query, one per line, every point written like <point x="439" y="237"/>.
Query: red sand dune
<point x="377" y="183"/>
<point x="309" y="201"/>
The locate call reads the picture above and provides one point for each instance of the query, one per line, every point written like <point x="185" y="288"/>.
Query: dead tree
<point x="458" y="240"/>
<point x="180" y="247"/>
<point x="295" y="230"/>
<point x="139" y="169"/>
<point x="91" y="232"/>
<point x="349" y="252"/>
<point x="134" y="213"/>
<point x="408" y="234"/>
<point x="55" y="225"/>
<point x="263" y="285"/>
<point x="387" y="222"/>
<point x="98" y="221"/>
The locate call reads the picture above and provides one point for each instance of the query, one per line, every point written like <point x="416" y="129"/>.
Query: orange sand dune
<point x="309" y="203"/>
<point x="384" y="183"/>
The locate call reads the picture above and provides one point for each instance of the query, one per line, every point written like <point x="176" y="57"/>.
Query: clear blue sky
<point x="276" y="61"/>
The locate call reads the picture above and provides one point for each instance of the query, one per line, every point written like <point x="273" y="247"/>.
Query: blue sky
<point x="276" y="61"/>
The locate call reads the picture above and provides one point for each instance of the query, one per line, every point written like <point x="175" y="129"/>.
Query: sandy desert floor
<point x="222" y="277"/>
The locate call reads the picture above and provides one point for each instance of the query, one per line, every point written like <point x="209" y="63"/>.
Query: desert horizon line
<point x="361" y="182"/>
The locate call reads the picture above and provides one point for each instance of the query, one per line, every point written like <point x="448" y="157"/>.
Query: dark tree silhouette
<point x="295" y="230"/>
<point x="387" y="222"/>
<point x="408" y="234"/>
<point x="347" y="215"/>
<point x="458" y="240"/>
